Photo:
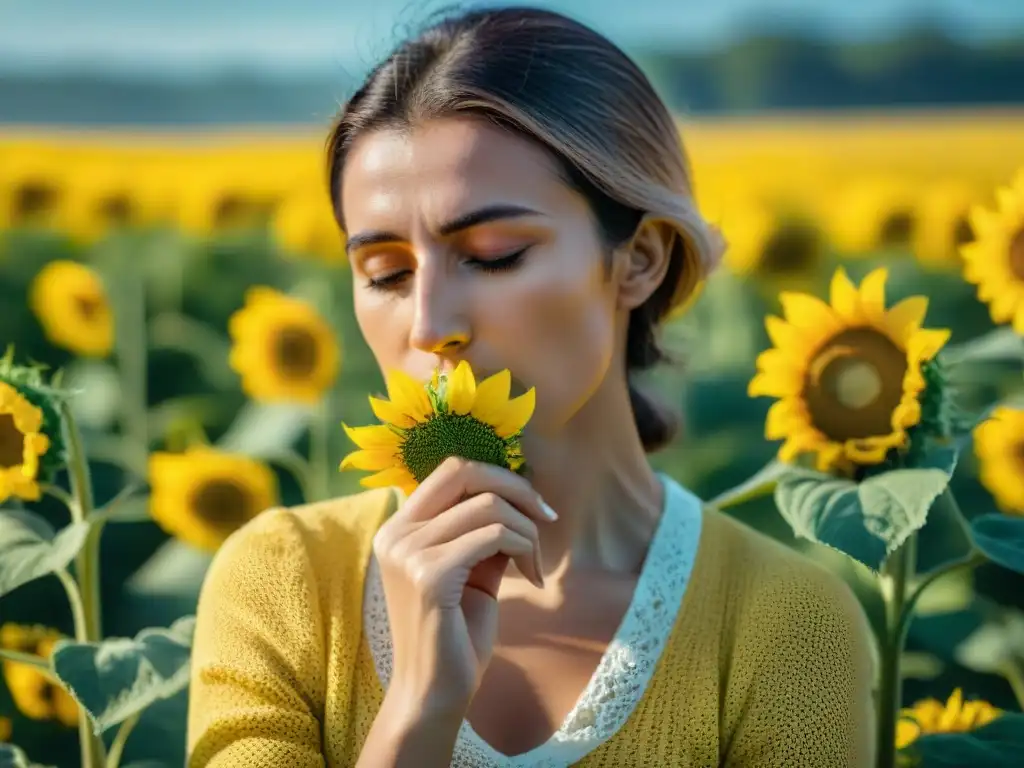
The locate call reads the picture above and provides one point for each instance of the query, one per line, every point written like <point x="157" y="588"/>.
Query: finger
<point x="478" y="512"/>
<point x="457" y="478"/>
<point x="473" y="548"/>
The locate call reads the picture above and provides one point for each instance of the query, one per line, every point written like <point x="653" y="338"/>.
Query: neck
<point x="596" y="476"/>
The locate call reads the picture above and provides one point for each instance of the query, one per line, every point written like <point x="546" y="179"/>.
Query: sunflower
<point x="35" y="695"/>
<point x="282" y="348"/>
<point x="22" y="442"/>
<point x="31" y="185"/>
<point x="97" y="199"/>
<point x="995" y="261"/>
<point x="304" y="225"/>
<point x="769" y="243"/>
<point x="999" y="446"/>
<point x="872" y="214"/>
<point x="932" y="716"/>
<point x="202" y="495"/>
<point x="71" y="303"/>
<point x="425" y="424"/>
<point x="849" y="376"/>
<point x="943" y="223"/>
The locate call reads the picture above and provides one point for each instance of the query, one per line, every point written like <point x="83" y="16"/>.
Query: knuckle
<point x="490" y="500"/>
<point x="419" y="572"/>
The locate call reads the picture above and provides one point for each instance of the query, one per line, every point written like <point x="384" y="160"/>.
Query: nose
<point x="440" y="325"/>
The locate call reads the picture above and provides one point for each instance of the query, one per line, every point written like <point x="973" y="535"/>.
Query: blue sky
<point x="197" y="36"/>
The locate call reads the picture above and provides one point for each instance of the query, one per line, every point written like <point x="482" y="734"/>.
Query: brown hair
<point x="562" y="85"/>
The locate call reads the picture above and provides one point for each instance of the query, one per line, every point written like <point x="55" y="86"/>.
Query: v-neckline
<point x="627" y="664"/>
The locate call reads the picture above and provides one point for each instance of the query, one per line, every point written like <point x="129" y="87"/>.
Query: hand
<point x="442" y="557"/>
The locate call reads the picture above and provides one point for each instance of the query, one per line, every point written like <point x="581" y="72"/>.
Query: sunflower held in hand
<point x="451" y="415"/>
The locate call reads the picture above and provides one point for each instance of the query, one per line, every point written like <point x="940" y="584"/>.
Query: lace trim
<point x="624" y="671"/>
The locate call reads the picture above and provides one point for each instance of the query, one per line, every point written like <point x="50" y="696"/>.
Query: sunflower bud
<point x="31" y="440"/>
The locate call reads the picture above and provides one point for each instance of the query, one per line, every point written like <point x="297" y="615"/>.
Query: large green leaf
<point x="118" y="677"/>
<point x="31" y="549"/>
<point x="1000" y="744"/>
<point x="868" y="520"/>
<point x="1001" y="538"/>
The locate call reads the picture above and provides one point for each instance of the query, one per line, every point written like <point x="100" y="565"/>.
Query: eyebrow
<point x="465" y="221"/>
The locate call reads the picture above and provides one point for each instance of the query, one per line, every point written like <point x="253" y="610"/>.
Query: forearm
<point x="406" y="736"/>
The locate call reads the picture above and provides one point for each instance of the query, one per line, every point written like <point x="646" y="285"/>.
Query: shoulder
<point x="776" y="591"/>
<point x="330" y="532"/>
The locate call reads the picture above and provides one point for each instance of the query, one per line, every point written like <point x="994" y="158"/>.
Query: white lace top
<point x="625" y="668"/>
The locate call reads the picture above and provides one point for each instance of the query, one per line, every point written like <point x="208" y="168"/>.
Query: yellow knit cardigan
<point x="769" y="663"/>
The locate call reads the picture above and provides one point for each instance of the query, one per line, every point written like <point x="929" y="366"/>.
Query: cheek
<point x="383" y="328"/>
<point x="556" y="332"/>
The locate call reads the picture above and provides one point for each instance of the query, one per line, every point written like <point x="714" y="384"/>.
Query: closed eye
<point x="500" y="264"/>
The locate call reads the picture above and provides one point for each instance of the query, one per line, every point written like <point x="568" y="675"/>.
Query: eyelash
<point x="503" y="264"/>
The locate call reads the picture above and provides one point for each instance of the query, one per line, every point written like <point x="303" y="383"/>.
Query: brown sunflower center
<point x="295" y="352"/>
<point x="88" y="306"/>
<point x="963" y="232"/>
<point x="1017" y="254"/>
<point x="792" y="248"/>
<point x="897" y="228"/>
<point x="854" y="383"/>
<point x="223" y="503"/>
<point x="116" y="209"/>
<point x="33" y="198"/>
<point x="12" y="443"/>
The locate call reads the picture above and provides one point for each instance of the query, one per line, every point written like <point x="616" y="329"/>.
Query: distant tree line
<point x="776" y="72"/>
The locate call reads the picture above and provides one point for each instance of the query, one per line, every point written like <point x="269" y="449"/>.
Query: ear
<point x="644" y="261"/>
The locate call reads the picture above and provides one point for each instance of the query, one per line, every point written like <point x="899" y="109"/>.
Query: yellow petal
<point x="388" y="477"/>
<point x="845" y="298"/>
<point x="492" y="397"/>
<point x="904" y="319"/>
<point x="872" y="296"/>
<point x="781" y="419"/>
<point x="516" y="413"/>
<point x="924" y="345"/>
<point x="907" y="732"/>
<point x="775" y="383"/>
<point x="390" y="413"/>
<point x="808" y="312"/>
<point x="371" y="460"/>
<point x="408" y="395"/>
<point x="461" y="390"/>
<point x="372" y="438"/>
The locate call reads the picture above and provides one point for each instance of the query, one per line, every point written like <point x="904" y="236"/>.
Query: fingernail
<point x="548" y="511"/>
<point x="539" y="569"/>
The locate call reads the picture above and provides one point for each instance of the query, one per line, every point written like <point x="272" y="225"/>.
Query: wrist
<point x="411" y="714"/>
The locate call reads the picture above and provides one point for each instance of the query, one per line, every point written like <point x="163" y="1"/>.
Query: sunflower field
<point x="181" y="353"/>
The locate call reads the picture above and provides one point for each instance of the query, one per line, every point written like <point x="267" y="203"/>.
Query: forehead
<point x="444" y="167"/>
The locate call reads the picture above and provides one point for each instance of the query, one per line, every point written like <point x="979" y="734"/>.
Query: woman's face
<point x="466" y="244"/>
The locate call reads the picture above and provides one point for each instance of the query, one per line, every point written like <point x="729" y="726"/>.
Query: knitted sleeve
<point x="257" y="674"/>
<point x="806" y="665"/>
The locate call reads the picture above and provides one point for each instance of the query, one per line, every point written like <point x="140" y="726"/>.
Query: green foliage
<point x="1001" y="538"/>
<point x="999" y="744"/>
<point x="119" y="677"/>
<point x="31" y="549"/>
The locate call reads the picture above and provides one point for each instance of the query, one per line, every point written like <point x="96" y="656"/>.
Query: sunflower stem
<point x="319" y="484"/>
<point x="896" y="574"/>
<point x="117" y="746"/>
<point x="1013" y="671"/>
<point x="59" y="494"/>
<point x="130" y="343"/>
<point x="84" y="596"/>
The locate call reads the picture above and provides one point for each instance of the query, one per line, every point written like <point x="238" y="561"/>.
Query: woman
<point x="515" y="195"/>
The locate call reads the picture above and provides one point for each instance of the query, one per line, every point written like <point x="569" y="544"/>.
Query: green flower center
<point x="1017" y="254"/>
<point x="224" y="504"/>
<point x="854" y="384"/>
<point x="429" y="443"/>
<point x="12" y="443"/>
<point x="296" y="352"/>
